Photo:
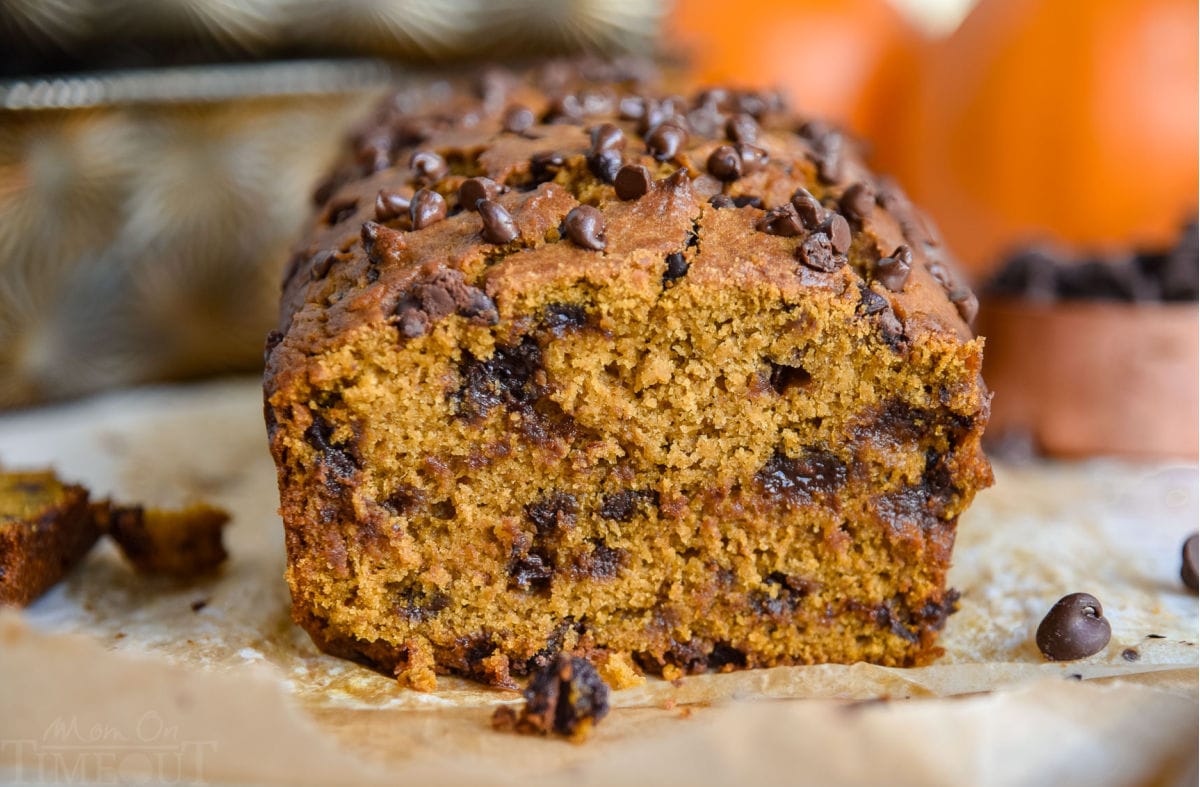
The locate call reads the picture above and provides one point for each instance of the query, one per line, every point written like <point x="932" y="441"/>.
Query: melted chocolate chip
<point x="518" y="119"/>
<point x="498" y="224"/>
<point x="474" y="189"/>
<point x="339" y="462"/>
<point x="559" y="318"/>
<point x="566" y="698"/>
<point x="531" y="573"/>
<point x="816" y="252"/>
<point x="602" y="562"/>
<point x="1187" y="569"/>
<point x="427" y="207"/>
<point x="741" y="128"/>
<point x="665" y="140"/>
<point x="677" y="266"/>
<point x="584" y="226"/>
<point x="428" y="166"/>
<point x="781" y="220"/>
<point x="508" y="378"/>
<point x="632" y="181"/>
<point x="621" y="506"/>
<point x="390" y="205"/>
<point x="725" y="164"/>
<point x="892" y="272"/>
<point x="799" y="481"/>
<point x="433" y="299"/>
<point x="1074" y="628"/>
<point x="557" y="511"/>
<point x="858" y="201"/>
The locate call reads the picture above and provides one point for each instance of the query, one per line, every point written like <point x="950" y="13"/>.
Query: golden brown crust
<point x="715" y="421"/>
<point x="46" y="527"/>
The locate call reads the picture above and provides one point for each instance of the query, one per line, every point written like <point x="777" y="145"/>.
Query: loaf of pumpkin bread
<point x="673" y="383"/>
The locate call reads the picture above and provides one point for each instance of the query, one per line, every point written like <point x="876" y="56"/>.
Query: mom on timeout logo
<point x="149" y="751"/>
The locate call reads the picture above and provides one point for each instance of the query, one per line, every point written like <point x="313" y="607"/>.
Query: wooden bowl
<point x="1086" y="378"/>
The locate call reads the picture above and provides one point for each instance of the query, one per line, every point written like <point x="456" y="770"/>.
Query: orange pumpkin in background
<point x="841" y="60"/>
<point x="1074" y="120"/>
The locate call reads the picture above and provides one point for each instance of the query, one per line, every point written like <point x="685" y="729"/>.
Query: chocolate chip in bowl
<point x="1095" y="355"/>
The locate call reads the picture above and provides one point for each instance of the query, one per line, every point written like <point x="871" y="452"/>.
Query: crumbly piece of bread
<point x="680" y="381"/>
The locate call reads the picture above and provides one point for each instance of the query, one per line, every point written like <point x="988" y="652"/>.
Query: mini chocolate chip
<point x="753" y="158"/>
<point x="1187" y="569"/>
<point x="498" y="224"/>
<point x="390" y="205"/>
<point x="606" y="136"/>
<point x="741" y="128"/>
<point x="781" y="220"/>
<point x="544" y="166"/>
<point x="665" y="140"/>
<point x="725" y="164"/>
<point x="474" y="189"/>
<point x="838" y="230"/>
<point x="1074" y="628"/>
<point x="677" y="266"/>
<point x="428" y="165"/>
<point x="721" y="201"/>
<point x="811" y="211"/>
<point x="322" y="261"/>
<point x="858" y="201"/>
<point x="518" y="119"/>
<point x="743" y="200"/>
<point x="584" y="225"/>
<point x="605" y="164"/>
<point x="869" y="301"/>
<point x="370" y="235"/>
<point x="892" y="272"/>
<point x="632" y="181"/>
<point x="816" y="252"/>
<point x="427" y="207"/>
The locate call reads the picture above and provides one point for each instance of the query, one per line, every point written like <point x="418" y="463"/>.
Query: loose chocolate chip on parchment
<point x="892" y="272"/>
<point x="427" y="207"/>
<point x="632" y="181"/>
<point x="498" y="224"/>
<point x="1187" y="569"/>
<point x="584" y="226"/>
<point x="1074" y="628"/>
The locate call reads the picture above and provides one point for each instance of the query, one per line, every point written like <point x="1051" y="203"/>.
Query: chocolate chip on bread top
<point x="567" y="363"/>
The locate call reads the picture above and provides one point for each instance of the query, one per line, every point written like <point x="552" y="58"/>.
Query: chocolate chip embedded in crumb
<point x="567" y="697"/>
<point x="632" y="181"/>
<point x="544" y="166"/>
<point x="584" y="226"/>
<point x="811" y="211"/>
<point x="753" y="158"/>
<point x="498" y="224"/>
<point x="724" y="163"/>
<point x="322" y="261"/>
<point x="741" y="128"/>
<point x="474" y="189"/>
<point x="427" y="207"/>
<point x="677" y="266"/>
<point x="892" y="272"/>
<point x="838" y="230"/>
<point x="1187" y="569"/>
<point x="428" y="166"/>
<point x="781" y="220"/>
<point x="665" y="140"/>
<point x="518" y="119"/>
<point x="605" y="164"/>
<point x="606" y="136"/>
<point x="817" y="252"/>
<point x="858" y="201"/>
<point x="721" y="201"/>
<point x="1074" y="628"/>
<point x="390" y="205"/>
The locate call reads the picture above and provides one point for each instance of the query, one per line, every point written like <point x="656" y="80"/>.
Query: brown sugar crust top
<point x="335" y="285"/>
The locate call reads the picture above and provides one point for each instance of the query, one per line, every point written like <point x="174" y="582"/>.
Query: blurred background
<point x="158" y="157"/>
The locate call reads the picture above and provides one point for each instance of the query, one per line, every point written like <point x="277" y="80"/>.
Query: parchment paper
<point x="107" y="643"/>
